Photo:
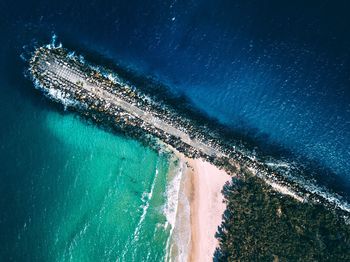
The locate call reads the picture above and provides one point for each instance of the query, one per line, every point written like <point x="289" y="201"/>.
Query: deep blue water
<point x="276" y="71"/>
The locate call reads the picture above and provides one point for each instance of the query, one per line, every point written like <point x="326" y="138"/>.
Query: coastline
<point x="105" y="98"/>
<point x="207" y="208"/>
<point x="199" y="212"/>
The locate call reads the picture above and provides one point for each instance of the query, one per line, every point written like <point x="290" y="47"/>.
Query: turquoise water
<point x="74" y="192"/>
<point x="111" y="205"/>
<point x="70" y="191"/>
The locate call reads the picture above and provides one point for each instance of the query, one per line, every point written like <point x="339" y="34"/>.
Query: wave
<point x="145" y="198"/>
<point x="172" y="195"/>
<point x="308" y="184"/>
<point x="58" y="95"/>
<point x="171" y="205"/>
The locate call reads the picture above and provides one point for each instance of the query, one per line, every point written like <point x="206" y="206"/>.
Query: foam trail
<point x="53" y="42"/>
<point x="170" y="208"/>
<point x="57" y="95"/>
<point x="146" y="198"/>
<point x="289" y="170"/>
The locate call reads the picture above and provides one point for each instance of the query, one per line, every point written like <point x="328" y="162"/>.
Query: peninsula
<point x="100" y="95"/>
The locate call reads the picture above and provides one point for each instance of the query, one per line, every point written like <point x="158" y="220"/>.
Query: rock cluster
<point x="229" y="157"/>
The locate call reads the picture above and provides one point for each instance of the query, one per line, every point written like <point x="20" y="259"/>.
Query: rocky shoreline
<point x="46" y="65"/>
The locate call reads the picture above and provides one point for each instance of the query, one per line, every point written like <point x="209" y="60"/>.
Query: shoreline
<point x="102" y="97"/>
<point x="199" y="212"/>
<point x="207" y="208"/>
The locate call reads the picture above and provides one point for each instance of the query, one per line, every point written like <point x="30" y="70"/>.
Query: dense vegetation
<point x="263" y="225"/>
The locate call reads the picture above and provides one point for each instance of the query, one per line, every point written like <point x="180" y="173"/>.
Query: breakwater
<point x="104" y="98"/>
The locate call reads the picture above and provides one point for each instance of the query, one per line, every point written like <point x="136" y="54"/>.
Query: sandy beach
<point x="206" y="207"/>
<point x="200" y="210"/>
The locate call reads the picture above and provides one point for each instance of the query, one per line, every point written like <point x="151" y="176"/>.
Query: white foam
<point x="145" y="198"/>
<point x="171" y="205"/>
<point x="172" y="195"/>
<point x="61" y="96"/>
<point x="52" y="44"/>
<point x="71" y="55"/>
<point x="278" y="164"/>
<point x="81" y="59"/>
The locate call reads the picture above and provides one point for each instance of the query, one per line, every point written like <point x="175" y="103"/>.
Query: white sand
<point x="206" y="208"/>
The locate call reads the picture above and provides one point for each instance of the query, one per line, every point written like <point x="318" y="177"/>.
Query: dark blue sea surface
<point x="276" y="71"/>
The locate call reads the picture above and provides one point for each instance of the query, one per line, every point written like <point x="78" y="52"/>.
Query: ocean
<point x="277" y="73"/>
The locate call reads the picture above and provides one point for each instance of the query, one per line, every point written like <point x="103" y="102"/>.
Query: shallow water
<point x="70" y="191"/>
<point x="78" y="193"/>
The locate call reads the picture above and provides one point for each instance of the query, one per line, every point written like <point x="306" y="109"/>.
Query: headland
<point x="101" y="96"/>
